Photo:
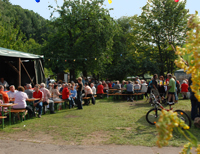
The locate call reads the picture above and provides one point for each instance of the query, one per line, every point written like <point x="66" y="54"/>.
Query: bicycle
<point x="153" y="114"/>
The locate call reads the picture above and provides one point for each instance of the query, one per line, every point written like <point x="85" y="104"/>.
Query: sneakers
<point x="39" y="116"/>
<point x="52" y="112"/>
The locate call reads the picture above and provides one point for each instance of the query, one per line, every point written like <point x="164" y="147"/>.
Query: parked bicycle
<point x="153" y="114"/>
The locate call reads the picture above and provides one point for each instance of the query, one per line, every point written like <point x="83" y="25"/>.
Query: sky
<point x="121" y="7"/>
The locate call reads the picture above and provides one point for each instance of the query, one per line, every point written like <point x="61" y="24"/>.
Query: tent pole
<point x="26" y="72"/>
<point x="19" y="63"/>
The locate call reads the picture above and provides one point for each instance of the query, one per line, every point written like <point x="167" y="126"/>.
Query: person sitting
<point x="93" y="88"/>
<point x="4" y="94"/>
<point x="73" y="95"/>
<point x="184" y="89"/>
<point x="129" y="90"/>
<point x="112" y="83"/>
<point x="29" y="91"/>
<point x="144" y="87"/>
<point x="137" y="87"/>
<point x="88" y="93"/>
<point x="100" y="90"/>
<point x="4" y="83"/>
<point x="56" y="95"/>
<point x="109" y="84"/>
<point x="65" y="95"/>
<point x="11" y="93"/>
<point x="105" y="86"/>
<point x="137" y="79"/>
<point x="38" y="103"/>
<point x="117" y="86"/>
<point x="61" y="89"/>
<point x="46" y="100"/>
<point x="20" y="100"/>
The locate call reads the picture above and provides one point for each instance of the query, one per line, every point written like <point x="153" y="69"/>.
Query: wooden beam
<point x="19" y="77"/>
<point x="26" y="72"/>
<point x="13" y="67"/>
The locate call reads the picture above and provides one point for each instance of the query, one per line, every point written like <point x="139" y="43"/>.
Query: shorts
<point x="171" y="93"/>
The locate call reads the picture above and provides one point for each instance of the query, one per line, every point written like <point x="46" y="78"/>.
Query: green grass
<point x="107" y="122"/>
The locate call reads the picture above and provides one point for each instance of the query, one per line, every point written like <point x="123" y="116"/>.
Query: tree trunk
<point x="161" y="60"/>
<point x="72" y="75"/>
<point x="85" y="73"/>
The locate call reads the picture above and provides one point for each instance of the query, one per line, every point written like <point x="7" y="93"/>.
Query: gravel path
<point x="20" y="147"/>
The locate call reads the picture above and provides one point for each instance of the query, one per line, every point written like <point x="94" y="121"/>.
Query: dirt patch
<point x="96" y="138"/>
<point x="31" y="137"/>
<point x="124" y="128"/>
<point x="71" y="116"/>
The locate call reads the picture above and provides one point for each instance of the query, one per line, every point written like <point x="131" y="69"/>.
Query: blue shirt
<point x="73" y="93"/>
<point x="113" y="84"/>
<point x="129" y="87"/>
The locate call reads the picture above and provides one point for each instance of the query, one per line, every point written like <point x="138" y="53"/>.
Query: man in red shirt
<point x="65" y="94"/>
<point x="38" y="94"/>
<point x="100" y="90"/>
<point x="5" y="95"/>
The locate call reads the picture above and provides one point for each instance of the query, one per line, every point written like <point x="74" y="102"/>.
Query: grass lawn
<point x="107" y="122"/>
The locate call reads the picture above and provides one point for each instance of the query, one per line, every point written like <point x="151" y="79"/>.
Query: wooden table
<point x="9" y="105"/>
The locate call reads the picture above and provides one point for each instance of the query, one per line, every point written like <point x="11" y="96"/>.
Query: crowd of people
<point x="75" y="91"/>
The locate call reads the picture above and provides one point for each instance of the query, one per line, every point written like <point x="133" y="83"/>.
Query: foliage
<point x="168" y="121"/>
<point x="164" y="21"/>
<point x="83" y="30"/>
<point x="189" y="55"/>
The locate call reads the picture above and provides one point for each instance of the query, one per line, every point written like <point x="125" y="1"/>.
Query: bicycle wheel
<point x="153" y="115"/>
<point x="182" y="115"/>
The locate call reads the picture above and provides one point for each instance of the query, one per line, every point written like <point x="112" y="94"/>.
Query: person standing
<point x="195" y="105"/>
<point x="184" y="89"/>
<point x="155" y="85"/>
<point x="171" y="88"/>
<point x="79" y="89"/>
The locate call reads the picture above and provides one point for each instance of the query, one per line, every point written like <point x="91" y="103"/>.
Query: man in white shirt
<point x="12" y="92"/>
<point x="93" y="88"/>
<point x="4" y="83"/>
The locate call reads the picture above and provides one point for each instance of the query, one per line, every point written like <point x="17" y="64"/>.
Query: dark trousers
<point x="195" y="110"/>
<point x="79" y="100"/>
<point x="87" y="101"/>
<point x="129" y="96"/>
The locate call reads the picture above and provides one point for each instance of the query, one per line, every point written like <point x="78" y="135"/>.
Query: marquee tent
<point x="19" y="68"/>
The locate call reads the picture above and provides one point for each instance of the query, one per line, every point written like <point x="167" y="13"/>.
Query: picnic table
<point x="9" y="105"/>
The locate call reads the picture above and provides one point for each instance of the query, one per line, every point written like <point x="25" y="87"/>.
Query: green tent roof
<point x="13" y="53"/>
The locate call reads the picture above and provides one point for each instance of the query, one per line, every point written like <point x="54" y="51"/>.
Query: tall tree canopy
<point x="83" y="39"/>
<point x="161" y="22"/>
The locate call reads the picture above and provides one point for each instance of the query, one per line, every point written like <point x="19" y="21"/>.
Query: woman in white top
<point x="137" y="87"/>
<point x="20" y="100"/>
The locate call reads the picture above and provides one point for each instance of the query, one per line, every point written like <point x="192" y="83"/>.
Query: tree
<point x="84" y="37"/>
<point x="161" y="22"/>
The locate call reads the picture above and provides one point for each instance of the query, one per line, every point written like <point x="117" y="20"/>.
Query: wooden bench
<point x="56" y="103"/>
<point x="19" y="111"/>
<point x="3" y="117"/>
<point x="120" y="94"/>
<point x="87" y="98"/>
